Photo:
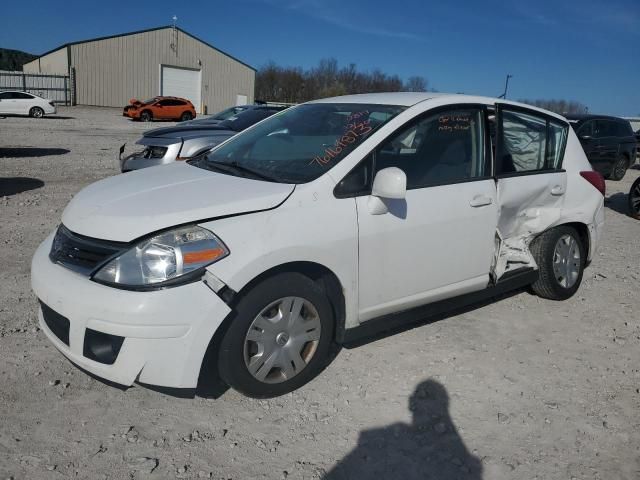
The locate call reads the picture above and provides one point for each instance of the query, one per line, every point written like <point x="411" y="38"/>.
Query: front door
<point x="7" y="103"/>
<point x="438" y="242"/>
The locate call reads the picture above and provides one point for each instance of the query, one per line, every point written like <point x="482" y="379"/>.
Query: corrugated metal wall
<point x="111" y="71"/>
<point x="55" y="63"/>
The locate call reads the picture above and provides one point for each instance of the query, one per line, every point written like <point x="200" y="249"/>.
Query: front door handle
<point x="557" y="190"/>
<point x="480" y="201"/>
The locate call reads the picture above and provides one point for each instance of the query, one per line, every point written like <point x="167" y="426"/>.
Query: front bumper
<point x="166" y="332"/>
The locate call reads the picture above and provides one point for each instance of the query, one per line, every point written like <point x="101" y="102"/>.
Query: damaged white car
<point x="327" y="222"/>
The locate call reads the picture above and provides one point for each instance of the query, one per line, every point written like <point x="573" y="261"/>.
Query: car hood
<point x="187" y="132"/>
<point x="128" y="206"/>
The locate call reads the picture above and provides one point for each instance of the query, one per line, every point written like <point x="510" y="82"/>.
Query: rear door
<point x="530" y="179"/>
<point x="23" y="102"/>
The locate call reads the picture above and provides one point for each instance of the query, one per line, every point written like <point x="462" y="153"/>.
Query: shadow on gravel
<point x="421" y="320"/>
<point x="618" y="202"/>
<point x="24" y="152"/>
<point x="429" y="447"/>
<point x="11" y="186"/>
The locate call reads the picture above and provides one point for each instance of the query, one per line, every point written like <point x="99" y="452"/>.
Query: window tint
<point x="357" y="180"/>
<point x="623" y="129"/>
<point x="586" y="129"/>
<point x="531" y="143"/>
<point x="22" y="96"/>
<point x="602" y="128"/>
<point x="438" y="149"/>
<point x="5" y="95"/>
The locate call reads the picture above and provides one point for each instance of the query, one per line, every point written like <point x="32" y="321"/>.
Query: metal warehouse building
<point x="109" y="71"/>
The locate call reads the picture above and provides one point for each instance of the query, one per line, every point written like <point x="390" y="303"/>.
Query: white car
<point x="14" y="102"/>
<point x="323" y="223"/>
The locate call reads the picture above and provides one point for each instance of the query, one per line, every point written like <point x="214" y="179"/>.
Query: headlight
<point x="175" y="256"/>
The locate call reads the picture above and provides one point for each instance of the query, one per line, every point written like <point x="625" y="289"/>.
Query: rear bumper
<point x="166" y="332"/>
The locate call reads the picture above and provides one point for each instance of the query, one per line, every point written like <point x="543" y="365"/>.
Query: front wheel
<point x="146" y="116"/>
<point x="619" y="169"/>
<point x="560" y="256"/>
<point x="634" y="199"/>
<point x="279" y="338"/>
<point x="36" y="112"/>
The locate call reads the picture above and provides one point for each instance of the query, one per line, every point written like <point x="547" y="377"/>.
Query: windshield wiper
<point x="224" y="166"/>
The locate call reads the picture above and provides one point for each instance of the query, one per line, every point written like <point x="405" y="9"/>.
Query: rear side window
<point x="530" y="143"/>
<point x="22" y="96"/>
<point x="442" y="148"/>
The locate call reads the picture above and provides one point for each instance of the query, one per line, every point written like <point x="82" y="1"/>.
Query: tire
<point x="634" y="199"/>
<point x="36" y="112"/>
<point x="186" y="116"/>
<point x="146" y="116"/>
<point x="619" y="169"/>
<point x="245" y="343"/>
<point x="561" y="282"/>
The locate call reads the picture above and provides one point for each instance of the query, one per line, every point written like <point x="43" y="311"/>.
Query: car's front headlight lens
<point x="166" y="258"/>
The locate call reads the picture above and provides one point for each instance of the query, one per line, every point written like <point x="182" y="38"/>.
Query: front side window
<point x="299" y="144"/>
<point x="601" y="129"/>
<point x="441" y="148"/>
<point x="530" y="143"/>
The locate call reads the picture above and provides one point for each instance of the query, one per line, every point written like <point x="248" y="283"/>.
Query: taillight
<point x="595" y="179"/>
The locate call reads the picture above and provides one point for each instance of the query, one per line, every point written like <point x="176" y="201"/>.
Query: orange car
<point x="160" y="108"/>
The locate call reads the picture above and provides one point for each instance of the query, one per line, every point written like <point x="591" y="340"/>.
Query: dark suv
<point x="609" y="143"/>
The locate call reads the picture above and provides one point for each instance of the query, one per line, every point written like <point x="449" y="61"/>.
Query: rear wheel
<point x="186" y="116"/>
<point x="634" y="199"/>
<point x="146" y="116"/>
<point x="36" y="112"/>
<point x="619" y="169"/>
<point x="279" y="338"/>
<point x="560" y="256"/>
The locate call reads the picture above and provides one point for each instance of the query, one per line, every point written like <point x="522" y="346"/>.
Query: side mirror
<point x="388" y="184"/>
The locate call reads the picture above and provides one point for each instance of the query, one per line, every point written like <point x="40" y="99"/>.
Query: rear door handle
<point x="480" y="201"/>
<point x="557" y="190"/>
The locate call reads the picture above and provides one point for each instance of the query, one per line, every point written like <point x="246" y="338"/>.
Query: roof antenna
<point x="174" y="35"/>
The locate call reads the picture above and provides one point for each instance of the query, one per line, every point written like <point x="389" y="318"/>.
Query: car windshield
<point x="228" y="113"/>
<point x="301" y="143"/>
<point x="244" y="120"/>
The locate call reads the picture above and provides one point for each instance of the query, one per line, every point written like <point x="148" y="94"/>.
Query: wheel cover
<point x="566" y="261"/>
<point x="37" y="112"/>
<point x="282" y="340"/>
<point x="634" y="198"/>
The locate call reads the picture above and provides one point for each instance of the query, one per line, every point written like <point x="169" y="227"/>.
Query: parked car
<point x="609" y="143"/>
<point x="14" y="102"/>
<point x="186" y="140"/>
<point x="635" y="126"/>
<point x="634" y="199"/>
<point x="325" y="223"/>
<point x="160" y="108"/>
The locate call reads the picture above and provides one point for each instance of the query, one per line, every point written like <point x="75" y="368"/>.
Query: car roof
<point x="409" y="99"/>
<point x="580" y="117"/>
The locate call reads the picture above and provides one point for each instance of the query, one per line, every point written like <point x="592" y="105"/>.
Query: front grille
<point x="58" y="324"/>
<point x="80" y="253"/>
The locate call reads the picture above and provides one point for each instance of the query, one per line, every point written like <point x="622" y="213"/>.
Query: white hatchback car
<point x="22" y="103"/>
<point x="326" y="222"/>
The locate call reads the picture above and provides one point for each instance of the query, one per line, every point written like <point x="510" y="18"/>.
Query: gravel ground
<point x="521" y="388"/>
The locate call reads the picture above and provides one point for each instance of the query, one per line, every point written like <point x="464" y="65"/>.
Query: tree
<point x="558" y="106"/>
<point x="327" y="79"/>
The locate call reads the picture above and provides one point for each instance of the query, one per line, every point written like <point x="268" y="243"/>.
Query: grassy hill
<point x="14" y="59"/>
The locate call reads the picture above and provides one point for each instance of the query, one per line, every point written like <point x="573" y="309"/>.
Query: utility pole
<point x="506" y="87"/>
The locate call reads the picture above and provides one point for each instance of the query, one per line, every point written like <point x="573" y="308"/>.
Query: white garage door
<point x="181" y="82"/>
